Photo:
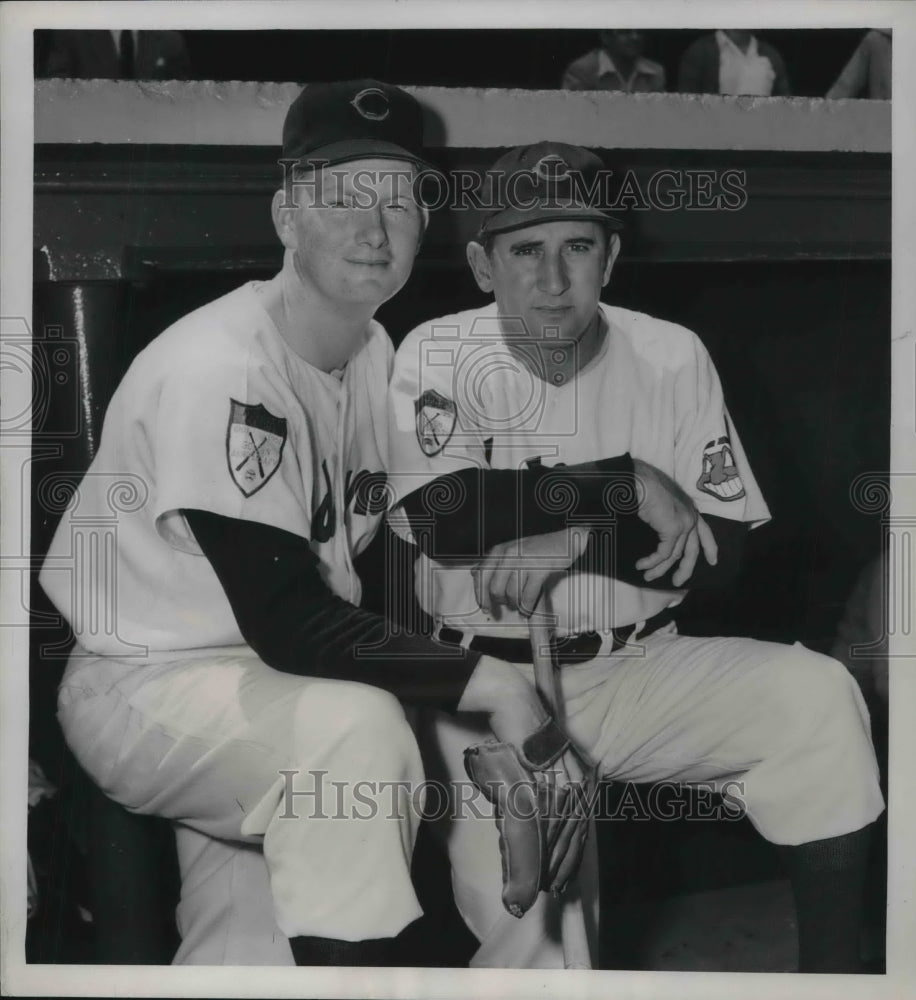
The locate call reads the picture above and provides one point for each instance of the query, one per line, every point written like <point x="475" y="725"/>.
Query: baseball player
<point x="506" y="422"/>
<point x="206" y="566"/>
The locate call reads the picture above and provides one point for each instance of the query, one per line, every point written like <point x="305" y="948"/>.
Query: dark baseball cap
<point x="546" y="182"/>
<point x="331" y="123"/>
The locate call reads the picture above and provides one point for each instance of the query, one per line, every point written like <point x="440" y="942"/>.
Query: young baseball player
<point x="219" y="676"/>
<point x="493" y="412"/>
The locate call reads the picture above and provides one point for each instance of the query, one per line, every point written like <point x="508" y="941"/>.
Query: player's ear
<point x="613" y="248"/>
<point x="424" y="227"/>
<point x="479" y="262"/>
<point x="283" y="214"/>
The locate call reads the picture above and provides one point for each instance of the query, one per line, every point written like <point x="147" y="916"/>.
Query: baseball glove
<point x="542" y="796"/>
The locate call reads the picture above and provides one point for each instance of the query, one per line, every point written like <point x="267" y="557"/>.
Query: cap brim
<point x="510" y="219"/>
<point x="360" y="149"/>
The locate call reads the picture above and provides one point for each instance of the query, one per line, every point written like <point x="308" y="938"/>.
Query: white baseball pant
<point x="781" y="727"/>
<point x="786" y="726"/>
<point x="205" y="740"/>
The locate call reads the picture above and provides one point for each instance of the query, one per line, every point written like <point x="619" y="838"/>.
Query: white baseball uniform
<point x="786" y="723"/>
<point x="163" y="702"/>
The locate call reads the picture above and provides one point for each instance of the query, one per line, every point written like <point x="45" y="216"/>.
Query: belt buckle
<point x="577" y="648"/>
<point x="450" y="636"/>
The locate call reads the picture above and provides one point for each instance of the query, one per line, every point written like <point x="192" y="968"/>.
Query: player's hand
<point x="672" y="515"/>
<point x="515" y="710"/>
<point x="541" y="797"/>
<point x="514" y="574"/>
<point x="569" y="768"/>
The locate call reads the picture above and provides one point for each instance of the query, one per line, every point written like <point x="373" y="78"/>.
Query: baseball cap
<point x="544" y="182"/>
<point x="331" y="123"/>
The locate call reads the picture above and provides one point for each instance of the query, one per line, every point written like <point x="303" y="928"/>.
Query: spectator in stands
<point x="732" y="62"/>
<point x="618" y="64"/>
<point x="117" y="55"/>
<point x="868" y="72"/>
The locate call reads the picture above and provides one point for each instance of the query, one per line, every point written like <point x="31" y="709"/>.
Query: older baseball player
<point x="494" y="412"/>
<point x="219" y="677"/>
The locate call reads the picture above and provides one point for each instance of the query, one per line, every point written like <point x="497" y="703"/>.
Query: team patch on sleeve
<point x="254" y="445"/>
<point x="435" y="421"/>
<point x="719" y="477"/>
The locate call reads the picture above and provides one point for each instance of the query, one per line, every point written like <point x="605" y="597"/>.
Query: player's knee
<point x="814" y="691"/>
<point x="372" y="708"/>
<point x="371" y="717"/>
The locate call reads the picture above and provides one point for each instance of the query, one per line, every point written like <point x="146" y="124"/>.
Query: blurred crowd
<point x="718" y="62"/>
<point x="722" y="62"/>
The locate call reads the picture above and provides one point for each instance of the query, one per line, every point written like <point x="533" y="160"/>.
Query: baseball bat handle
<point x="573" y="931"/>
<point x="546" y="679"/>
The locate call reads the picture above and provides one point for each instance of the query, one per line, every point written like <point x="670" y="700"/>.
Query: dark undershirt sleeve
<point x="462" y="515"/>
<point x="617" y="556"/>
<point x="292" y="620"/>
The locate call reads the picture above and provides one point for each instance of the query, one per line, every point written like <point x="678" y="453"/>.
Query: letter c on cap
<point x="552" y="168"/>
<point x="372" y="103"/>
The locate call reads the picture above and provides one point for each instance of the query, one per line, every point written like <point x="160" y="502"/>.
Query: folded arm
<point x="463" y="515"/>
<point x="295" y="623"/>
<point x="497" y="518"/>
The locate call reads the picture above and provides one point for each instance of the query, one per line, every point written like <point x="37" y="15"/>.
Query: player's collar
<point x="603" y="335"/>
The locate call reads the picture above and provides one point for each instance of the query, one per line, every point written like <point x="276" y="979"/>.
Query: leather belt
<point x="578" y="648"/>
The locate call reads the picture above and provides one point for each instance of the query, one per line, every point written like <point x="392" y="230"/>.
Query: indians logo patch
<point x="720" y="477"/>
<point x="435" y="421"/>
<point x="254" y="445"/>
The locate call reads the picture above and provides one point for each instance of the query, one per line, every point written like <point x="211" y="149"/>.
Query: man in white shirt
<point x="733" y="62"/>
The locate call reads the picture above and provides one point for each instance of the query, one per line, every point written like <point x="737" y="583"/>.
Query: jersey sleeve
<point x="431" y="429"/>
<point x="710" y="461"/>
<point x="219" y="441"/>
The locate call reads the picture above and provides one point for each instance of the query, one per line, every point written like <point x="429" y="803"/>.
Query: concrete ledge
<point x="251" y="114"/>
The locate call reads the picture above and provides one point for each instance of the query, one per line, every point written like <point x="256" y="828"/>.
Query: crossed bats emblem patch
<point x="435" y="421"/>
<point x="254" y="445"/>
<point x="719" y="477"/>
